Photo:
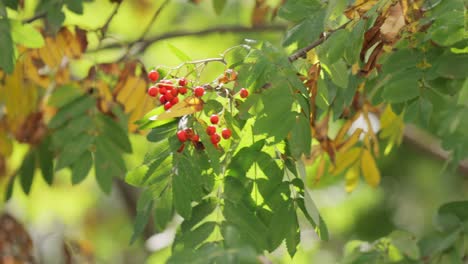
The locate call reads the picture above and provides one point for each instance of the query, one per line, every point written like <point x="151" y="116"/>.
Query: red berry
<point x="199" y="91"/>
<point x="215" y="138"/>
<point x="244" y="93"/>
<point x="162" y="90"/>
<point x="169" y="96"/>
<point x="175" y="92"/>
<point x="175" y="100"/>
<point x="182" y="135"/>
<point x="183" y="90"/>
<point x="214" y="119"/>
<point x="196" y="138"/>
<point x="168" y="84"/>
<point x="162" y="99"/>
<point x="211" y="130"/>
<point x="189" y="132"/>
<point x="167" y="106"/>
<point x="226" y="133"/>
<point x="183" y="81"/>
<point x="153" y="91"/>
<point x="181" y="148"/>
<point x="153" y="75"/>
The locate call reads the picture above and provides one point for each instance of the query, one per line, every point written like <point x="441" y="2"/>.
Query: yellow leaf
<point x="359" y="8"/>
<point x="352" y="178"/>
<point x="340" y="136"/>
<point x="20" y="97"/>
<point x="188" y="106"/>
<point x="312" y="56"/>
<point x="320" y="169"/>
<point x="392" y="128"/>
<point x="349" y="142"/>
<point x="355" y="68"/>
<point x="369" y="169"/>
<point x="345" y="160"/>
<point x="6" y="145"/>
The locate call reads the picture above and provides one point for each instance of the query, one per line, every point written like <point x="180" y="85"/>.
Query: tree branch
<point x="302" y="53"/>
<point x="183" y="33"/>
<point x="429" y="144"/>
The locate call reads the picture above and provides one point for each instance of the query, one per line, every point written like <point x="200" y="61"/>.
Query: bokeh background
<point x="414" y="183"/>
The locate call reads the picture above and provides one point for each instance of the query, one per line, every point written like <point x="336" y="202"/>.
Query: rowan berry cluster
<point x="188" y="135"/>
<point x="169" y="90"/>
<point x="215" y="138"/>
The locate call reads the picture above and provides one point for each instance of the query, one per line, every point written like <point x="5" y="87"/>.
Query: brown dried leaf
<point x="32" y="130"/>
<point x="372" y="61"/>
<point x="393" y="23"/>
<point x="260" y="13"/>
<point x="15" y="243"/>
<point x="312" y="77"/>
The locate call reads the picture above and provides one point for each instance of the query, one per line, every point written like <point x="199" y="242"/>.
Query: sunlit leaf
<point x="26" y="35"/>
<point x="345" y="160"/>
<point x="188" y="106"/>
<point x="352" y="178"/>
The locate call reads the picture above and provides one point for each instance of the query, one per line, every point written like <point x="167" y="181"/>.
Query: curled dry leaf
<point x="393" y="23"/>
<point x="385" y="32"/>
<point x="32" y="130"/>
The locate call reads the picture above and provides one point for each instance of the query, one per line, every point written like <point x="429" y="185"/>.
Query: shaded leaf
<point x="144" y="209"/>
<point x="163" y="209"/>
<point x="7" y="50"/>
<point x="406" y="244"/>
<point x="46" y="158"/>
<point x="402" y="87"/>
<point x="81" y="167"/>
<point x="218" y="6"/>
<point x="76" y="108"/>
<point x="26" y="172"/>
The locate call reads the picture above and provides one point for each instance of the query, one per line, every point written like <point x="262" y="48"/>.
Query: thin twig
<point x="155" y="16"/>
<point x="183" y="33"/>
<point x="427" y="143"/>
<point x="109" y="19"/>
<point x="35" y="17"/>
<point x="302" y="53"/>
